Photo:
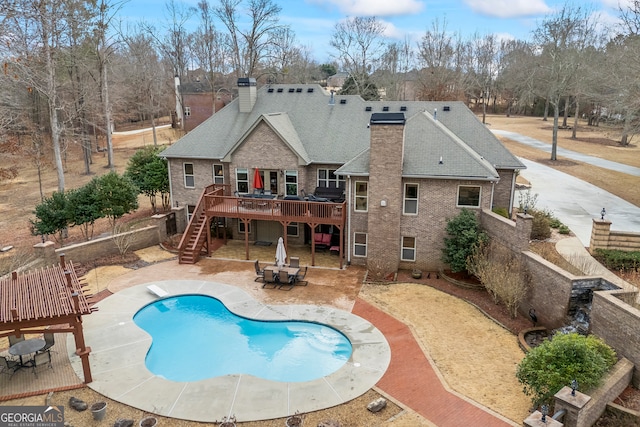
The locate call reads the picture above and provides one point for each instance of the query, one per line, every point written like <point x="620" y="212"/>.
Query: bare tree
<point x="249" y="43"/>
<point x="33" y="35"/>
<point x="441" y="56"/>
<point x="561" y="38"/>
<point x="482" y="64"/>
<point x="359" y="45"/>
<point x="395" y="64"/>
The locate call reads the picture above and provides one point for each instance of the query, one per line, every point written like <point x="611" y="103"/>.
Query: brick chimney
<point x="247" y="94"/>
<point x="385" y="191"/>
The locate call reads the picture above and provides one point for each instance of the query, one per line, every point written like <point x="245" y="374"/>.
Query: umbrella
<point x="257" y="180"/>
<point x="281" y="253"/>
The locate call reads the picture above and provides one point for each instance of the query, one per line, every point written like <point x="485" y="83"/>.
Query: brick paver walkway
<point x="412" y="380"/>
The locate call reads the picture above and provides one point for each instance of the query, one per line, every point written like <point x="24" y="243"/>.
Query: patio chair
<point x="294" y="262"/>
<point x="14" y="340"/>
<point x="286" y="281"/>
<point x="301" y="275"/>
<point x="41" y="359"/>
<point x="49" y="341"/>
<point x="8" y="367"/>
<point x="259" y="272"/>
<point x="270" y="279"/>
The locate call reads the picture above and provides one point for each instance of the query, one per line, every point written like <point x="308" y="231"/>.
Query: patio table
<point x="25" y="347"/>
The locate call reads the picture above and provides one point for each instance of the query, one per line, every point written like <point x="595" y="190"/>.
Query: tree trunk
<point x="546" y="110"/>
<point x="53" y="113"/>
<point x="575" y="120"/>
<point x="107" y="114"/>
<point x="556" y="119"/>
<point x="566" y="112"/>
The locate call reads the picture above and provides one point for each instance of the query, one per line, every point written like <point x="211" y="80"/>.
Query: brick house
<point x="200" y="103"/>
<point x="395" y="171"/>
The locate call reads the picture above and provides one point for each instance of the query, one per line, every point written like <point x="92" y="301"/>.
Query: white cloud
<point x="374" y="7"/>
<point x="508" y="8"/>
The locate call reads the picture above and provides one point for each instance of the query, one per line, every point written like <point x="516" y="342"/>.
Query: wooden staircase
<point x="194" y="238"/>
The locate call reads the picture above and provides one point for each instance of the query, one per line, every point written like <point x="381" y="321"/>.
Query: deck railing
<point x="274" y="209"/>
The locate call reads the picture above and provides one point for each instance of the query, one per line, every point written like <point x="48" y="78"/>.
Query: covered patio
<point x="32" y="302"/>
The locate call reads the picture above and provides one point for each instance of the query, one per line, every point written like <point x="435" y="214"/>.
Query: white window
<point x="291" y="182"/>
<point x="360" y="244"/>
<point x="411" y="199"/>
<point x="469" y="195"/>
<point x="187" y="111"/>
<point x="408" y="249"/>
<point x="190" y="210"/>
<point x="242" y="180"/>
<point x="189" y="177"/>
<point x="292" y="229"/>
<point x="361" y="201"/>
<point x="241" y="227"/>
<point x="218" y="174"/>
<point x="328" y="178"/>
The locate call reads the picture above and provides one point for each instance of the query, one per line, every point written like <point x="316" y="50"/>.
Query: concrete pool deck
<point x="119" y="347"/>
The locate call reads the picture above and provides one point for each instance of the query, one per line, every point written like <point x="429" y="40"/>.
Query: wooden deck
<point x="216" y="202"/>
<point x="275" y="210"/>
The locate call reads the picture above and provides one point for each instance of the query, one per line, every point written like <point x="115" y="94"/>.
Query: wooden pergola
<point x="32" y="301"/>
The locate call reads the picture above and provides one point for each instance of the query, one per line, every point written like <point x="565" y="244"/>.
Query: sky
<point x="314" y="20"/>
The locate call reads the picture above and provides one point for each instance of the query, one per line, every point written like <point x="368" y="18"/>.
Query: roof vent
<point x="403" y="108"/>
<point x="367" y="108"/>
<point x="291" y="90"/>
<point x="279" y="90"/>
<point x="310" y="90"/>
<point x="270" y="90"/>
<point x="343" y="101"/>
<point x="385" y="108"/>
<point x="446" y="108"/>
<point x="298" y="90"/>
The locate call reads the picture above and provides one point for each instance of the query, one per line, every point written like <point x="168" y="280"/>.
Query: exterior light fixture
<point x="603" y="212"/>
<point x="526" y="208"/>
<point x="545" y="412"/>
<point x="574" y="386"/>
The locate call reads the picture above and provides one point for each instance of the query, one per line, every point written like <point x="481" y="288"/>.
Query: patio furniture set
<point x="23" y="348"/>
<point x="282" y="277"/>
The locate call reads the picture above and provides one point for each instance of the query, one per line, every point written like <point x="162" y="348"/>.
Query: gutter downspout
<point x="170" y="183"/>
<point x="348" y="219"/>
<point x="513" y="190"/>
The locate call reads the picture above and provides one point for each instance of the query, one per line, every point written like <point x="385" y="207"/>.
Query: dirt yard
<point x="475" y="356"/>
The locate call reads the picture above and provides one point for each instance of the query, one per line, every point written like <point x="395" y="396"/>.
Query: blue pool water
<point x="195" y="337"/>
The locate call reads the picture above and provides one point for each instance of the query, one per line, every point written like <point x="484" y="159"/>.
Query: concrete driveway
<point x="573" y="201"/>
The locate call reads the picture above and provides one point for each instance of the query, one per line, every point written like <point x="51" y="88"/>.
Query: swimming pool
<point x="196" y="337"/>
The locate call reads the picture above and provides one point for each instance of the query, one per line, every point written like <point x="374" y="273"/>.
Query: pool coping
<point x="119" y="346"/>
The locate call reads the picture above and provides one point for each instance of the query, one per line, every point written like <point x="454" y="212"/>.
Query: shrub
<point x="540" y="228"/>
<point x="464" y="236"/>
<point x="501" y="211"/>
<point x="563" y="229"/>
<point x="618" y="260"/>
<point x="527" y="201"/>
<point x="555" y="363"/>
<point x="502" y="274"/>
<point x="555" y="223"/>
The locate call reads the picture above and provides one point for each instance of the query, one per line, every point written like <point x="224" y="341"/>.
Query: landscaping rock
<point x="377" y="405"/>
<point x="329" y="423"/>
<point x="123" y="423"/>
<point x="77" y="404"/>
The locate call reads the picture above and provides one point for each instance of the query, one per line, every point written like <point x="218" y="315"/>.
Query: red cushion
<point x="326" y="239"/>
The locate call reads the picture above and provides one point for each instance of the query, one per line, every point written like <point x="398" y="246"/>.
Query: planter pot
<point x="416" y="274"/>
<point x="149" y="422"/>
<point x="99" y="410"/>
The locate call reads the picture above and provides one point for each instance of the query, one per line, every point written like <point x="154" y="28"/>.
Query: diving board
<point x="157" y="291"/>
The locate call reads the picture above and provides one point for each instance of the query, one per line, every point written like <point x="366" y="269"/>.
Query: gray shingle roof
<point x="337" y="134"/>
